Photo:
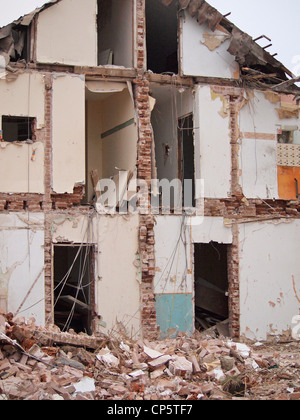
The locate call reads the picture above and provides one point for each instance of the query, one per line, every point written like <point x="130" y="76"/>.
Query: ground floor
<point x="92" y="272"/>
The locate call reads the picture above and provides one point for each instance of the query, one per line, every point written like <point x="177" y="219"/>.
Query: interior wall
<point x="68" y="132"/>
<point x="22" y="288"/>
<point x="67" y="33"/>
<point x="115" y="31"/>
<point x="118" y="286"/>
<point x="202" y="57"/>
<point x="111" y="134"/>
<point x="269" y="277"/>
<point x="212" y="142"/>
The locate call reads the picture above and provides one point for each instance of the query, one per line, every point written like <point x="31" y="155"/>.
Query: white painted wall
<point x="23" y="97"/>
<point x="206" y="229"/>
<point x="68" y="136"/>
<point x="258" y="164"/>
<point x="118" y="285"/>
<point x="197" y="59"/>
<point x="21" y="264"/>
<point x="212" y="144"/>
<point x="269" y="260"/>
<point x="22" y="168"/>
<point x="67" y="33"/>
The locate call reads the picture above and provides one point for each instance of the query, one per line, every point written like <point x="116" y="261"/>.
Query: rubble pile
<point x="46" y="364"/>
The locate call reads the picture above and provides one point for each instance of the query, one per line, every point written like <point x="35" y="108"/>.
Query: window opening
<point x="18" y="128"/>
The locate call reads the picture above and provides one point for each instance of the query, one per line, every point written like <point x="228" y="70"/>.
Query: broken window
<point x="161" y="39"/>
<point x="211" y="284"/>
<point x="115" y="33"/>
<point x="73" y="287"/>
<point x="288" y="135"/>
<point x="18" y="128"/>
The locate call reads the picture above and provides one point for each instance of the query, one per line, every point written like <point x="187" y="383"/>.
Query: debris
<point x="198" y="367"/>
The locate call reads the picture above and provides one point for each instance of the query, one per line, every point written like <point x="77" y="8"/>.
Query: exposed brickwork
<point x="233" y="283"/>
<point x="47" y="205"/>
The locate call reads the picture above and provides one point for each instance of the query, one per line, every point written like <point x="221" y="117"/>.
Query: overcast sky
<point x="277" y="19"/>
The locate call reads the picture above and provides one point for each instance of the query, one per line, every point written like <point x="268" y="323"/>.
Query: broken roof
<point x="12" y="38"/>
<point x="257" y="65"/>
<point x="255" y="62"/>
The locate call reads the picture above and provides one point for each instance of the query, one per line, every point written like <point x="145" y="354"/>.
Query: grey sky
<point x="276" y="19"/>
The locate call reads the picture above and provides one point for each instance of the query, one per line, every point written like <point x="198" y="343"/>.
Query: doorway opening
<point x="73" y="287"/>
<point x="161" y="39"/>
<point x="211" y="285"/>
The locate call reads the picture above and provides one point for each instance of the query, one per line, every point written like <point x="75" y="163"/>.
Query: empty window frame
<point x="18" y="128"/>
<point x="161" y="37"/>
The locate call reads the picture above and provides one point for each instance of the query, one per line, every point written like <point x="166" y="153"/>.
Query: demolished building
<point x="147" y="90"/>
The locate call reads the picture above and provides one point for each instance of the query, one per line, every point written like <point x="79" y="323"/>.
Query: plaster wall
<point x="67" y="33"/>
<point x="269" y="277"/>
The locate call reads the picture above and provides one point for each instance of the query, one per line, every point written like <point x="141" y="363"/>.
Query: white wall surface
<point x="67" y="33"/>
<point x="212" y="144"/>
<point x="21" y="264"/>
<point x="197" y="59"/>
<point x="22" y="168"/>
<point x="207" y="229"/>
<point x="258" y="164"/>
<point x="118" y="286"/>
<point x="23" y="97"/>
<point x="269" y="277"/>
<point x="68" y="137"/>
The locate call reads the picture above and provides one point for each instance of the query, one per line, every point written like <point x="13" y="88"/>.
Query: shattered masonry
<point x="222" y="109"/>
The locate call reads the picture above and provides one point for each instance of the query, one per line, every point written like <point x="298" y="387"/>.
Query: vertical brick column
<point x="144" y="168"/>
<point x="237" y="193"/>
<point x="47" y="204"/>
<point x="234" y="284"/>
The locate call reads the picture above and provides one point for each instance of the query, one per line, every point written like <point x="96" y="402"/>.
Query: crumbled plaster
<point x="214" y="40"/>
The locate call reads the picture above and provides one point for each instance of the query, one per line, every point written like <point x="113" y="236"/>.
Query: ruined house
<point x="147" y="90"/>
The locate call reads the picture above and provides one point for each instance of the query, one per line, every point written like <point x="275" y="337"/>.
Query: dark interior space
<point x="211" y="284"/>
<point x="73" y="287"/>
<point x="161" y="39"/>
<point x="186" y="157"/>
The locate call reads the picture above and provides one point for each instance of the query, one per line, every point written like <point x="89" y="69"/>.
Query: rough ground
<point x="46" y="364"/>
